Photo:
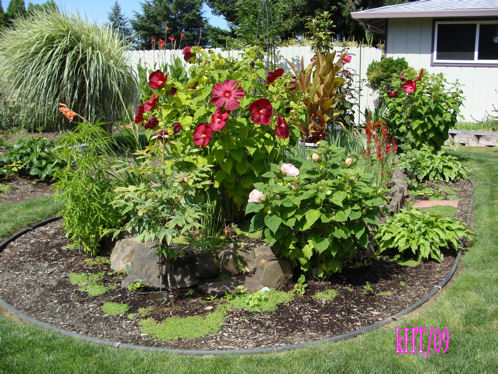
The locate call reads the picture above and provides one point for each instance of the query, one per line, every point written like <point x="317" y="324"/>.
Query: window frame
<point x="475" y="61"/>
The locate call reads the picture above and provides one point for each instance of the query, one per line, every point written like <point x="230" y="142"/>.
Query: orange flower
<point x="68" y="113"/>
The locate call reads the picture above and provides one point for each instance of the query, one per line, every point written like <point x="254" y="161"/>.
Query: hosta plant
<point x="317" y="213"/>
<point x="424" y="164"/>
<point x="412" y="236"/>
<point x="239" y="117"/>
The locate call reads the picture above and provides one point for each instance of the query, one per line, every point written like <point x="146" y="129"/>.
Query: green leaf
<point x="308" y="251"/>
<point x="257" y="222"/>
<point x="254" y="207"/>
<point x="272" y="222"/>
<point x="312" y="216"/>
<point x="319" y="243"/>
<point x="338" y="197"/>
<point x="226" y="165"/>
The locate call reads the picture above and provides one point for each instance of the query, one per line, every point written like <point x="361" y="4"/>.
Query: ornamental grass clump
<point x="50" y="57"/>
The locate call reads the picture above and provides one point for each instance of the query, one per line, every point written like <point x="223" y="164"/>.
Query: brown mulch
<point x="22" y="189"/>
<point x="34" y="278"/>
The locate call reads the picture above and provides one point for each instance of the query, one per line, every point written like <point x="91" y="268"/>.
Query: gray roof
<point x="432" y="8"/>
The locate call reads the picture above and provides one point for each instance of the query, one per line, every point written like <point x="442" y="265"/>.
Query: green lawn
<point x="467" y="308"/>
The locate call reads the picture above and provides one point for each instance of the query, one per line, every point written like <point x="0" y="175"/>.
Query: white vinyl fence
<point x="361" y="58"/>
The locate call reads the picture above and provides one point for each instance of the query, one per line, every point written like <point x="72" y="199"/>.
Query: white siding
<point x="412" y="39"/>
<point x="361" y="58"/>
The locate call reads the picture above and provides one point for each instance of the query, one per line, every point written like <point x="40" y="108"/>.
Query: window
<point x="466" y="42"/>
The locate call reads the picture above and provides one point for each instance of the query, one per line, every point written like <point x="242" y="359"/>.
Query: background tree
<point x="15" y="10"/>
<point x="119" y="22"/>
<point x="2" y="17"/>
<point x="47" y="6"/>
<point x="170" y="18"/>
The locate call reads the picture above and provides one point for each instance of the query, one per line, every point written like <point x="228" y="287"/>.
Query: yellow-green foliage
<point x="89" y="283"/>
<point x="190" y="327"/>
<point x="260" y="301"/>
<point x="114" y="308"/>
<point x="328" y="295"/>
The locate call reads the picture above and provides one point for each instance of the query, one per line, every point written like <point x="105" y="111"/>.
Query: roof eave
<point x="363" y="15"/>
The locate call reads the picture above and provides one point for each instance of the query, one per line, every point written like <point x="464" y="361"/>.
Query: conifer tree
<point x="16" y="9"/>
<point x="2" y="16"/>
<point x="119" y="22"/>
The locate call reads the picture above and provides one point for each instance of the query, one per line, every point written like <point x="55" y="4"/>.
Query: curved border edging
<point x="288" y="347"/>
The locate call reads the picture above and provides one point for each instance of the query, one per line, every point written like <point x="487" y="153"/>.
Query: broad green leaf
<point x="272" y="222"/>
<point x="312" y="216"/>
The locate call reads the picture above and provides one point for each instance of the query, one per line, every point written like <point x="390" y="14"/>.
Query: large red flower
<point x="149" y="104"/>
<point x="219" y="119"/>
<point x="392" y="93"/>
<point x="273" y="75"/>
<point x="187" y="53"/>
<point x="282" y="129"/>
<point x="409" y="86"/>
<point x="227" y="93"/>
<point x="202" y="134"/>
<point x="177" y="127"/>
<point x="139" y="118"/>
<point x="151" y="123"/>
<point x="157" y="79"/>
<point x="261" y="111"/>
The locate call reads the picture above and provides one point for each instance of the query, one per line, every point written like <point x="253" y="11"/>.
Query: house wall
<point x="412" y="39"/>
<point x="361" y="58"/>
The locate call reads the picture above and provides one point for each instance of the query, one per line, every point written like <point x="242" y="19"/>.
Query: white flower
<point x="349" y="161"/>
<point x="265" y="289"/>
<point x="315" y="156"/>
<point x="256" y="196"/>
<point x="289" y="170"/>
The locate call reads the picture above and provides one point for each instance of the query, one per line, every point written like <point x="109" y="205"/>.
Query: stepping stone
<point x="429" y="203"/>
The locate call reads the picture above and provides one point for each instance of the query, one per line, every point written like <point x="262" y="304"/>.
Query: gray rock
<point x="466" y="139"/>
<point x="123" y="253"/>
<point x="490" y="141"/>
<point x="144" y="267"/>
<point x="274" y="274"/>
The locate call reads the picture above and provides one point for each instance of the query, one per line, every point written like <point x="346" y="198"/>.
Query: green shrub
<point x="49" y="58"/>
<point x="425" y="164"/>
<point x="86" y="186"/>
<point x="31" y="156"/>
<point x="425" y="115"/>
<point x="380" y="73"/>
<point x="319" y="218"/>
<point x="414" y="236"/>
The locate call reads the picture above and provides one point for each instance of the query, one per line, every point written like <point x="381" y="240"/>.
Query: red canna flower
<point x="202" y="134"/>
<point x="157" y="79"/>
<point x="176" y="127"/>
<point x="409" y="86"/>
<point x="149" y="104"/>
<point x="161" y="43"/>
<point x="346" y="59"/>
<point x="68" y="113"/>
<point x="182" y="35"/>
<point x="171" y="38"/>
<point x="261" y="111"/>
<point x="282" y="129"/>
<point x="151" y="123"/>
<point x="227" y="93"/>
<point x="219" y="119"/>
<point x="187" y="53"/>
<point x="392" y="93"/>
<point x="167" y="28"/>
<point x="139" y="118"/>
<point x="273" y="75"/>
<point x="153" y="40"/>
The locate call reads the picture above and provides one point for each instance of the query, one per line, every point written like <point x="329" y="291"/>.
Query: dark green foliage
<point x="180" y="16"/>
<point x="416" y="236"/>
<point x="86" y="187"/>
<point x="30" y="156"/>
<point x="119" y="22"/>
<point x="48" y="6"/>
<point x="16" y="9"/>
<point x="52" y="58"/>
<point x="380" y="73"/>
<point x="2" y="16"/>
<point x="424" y="164"/>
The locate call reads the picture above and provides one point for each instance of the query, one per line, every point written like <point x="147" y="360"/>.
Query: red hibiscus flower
<point x="157" y="79"/>
<point x="392" y="93"/>
<point x="149" y="104"/>
<point x="293" y="83"/>
<point x="273" y="75"/>
<point x="219" y="119"/>
<point x="402" y="77"/>
<point x="202" y="134"/>
<point x="139" y="118"/>
<point x="227" y="93"/>
<point x="187" y="53"/>
<point x="409" y="86"/>
<point x="282" y="129"/>
<point x="151" y="123"/>
<point x="346" y="59"/>
<point x="261" y="111"/>
<point x="176" y="127"/>
<point x="161" y="133"/>
<point x="173" y="91"/>
<point x="419" y="75"/>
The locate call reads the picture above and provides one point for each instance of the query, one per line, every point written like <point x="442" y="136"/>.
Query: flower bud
<point x="315" y="156"/>
<point x="277" y="197"/>
<point x="349" y="161"/>
<point x="295" y="187"/>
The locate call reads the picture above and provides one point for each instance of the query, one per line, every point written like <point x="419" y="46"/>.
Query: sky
<point x="98" y="10"/>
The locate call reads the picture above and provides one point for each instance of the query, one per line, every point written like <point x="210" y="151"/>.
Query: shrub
<point x="425" y="164"/>
<point x="86" y="187"/>
<point x="31" y="156"/>
<point x="317" y="216"/>
<point x="422" y="110"/>
<point x="50" y="57"/>
<point x="416" y="236"/>
<point x="380" y="73"/>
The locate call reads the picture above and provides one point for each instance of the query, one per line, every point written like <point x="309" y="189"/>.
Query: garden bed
<point x="34" y="278"/>
<point x="21" y="189"/>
